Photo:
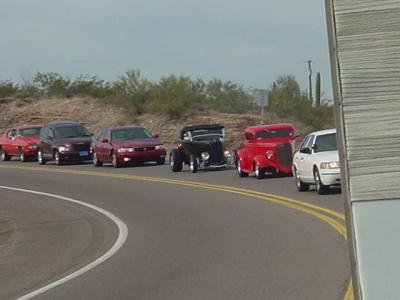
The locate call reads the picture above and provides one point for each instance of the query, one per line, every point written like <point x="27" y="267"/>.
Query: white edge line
<point x="123" y="234"/>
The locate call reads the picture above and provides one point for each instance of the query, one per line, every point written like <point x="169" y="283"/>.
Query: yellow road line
<point x="307" y="208"/>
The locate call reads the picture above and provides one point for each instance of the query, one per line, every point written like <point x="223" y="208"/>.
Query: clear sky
<point x="250" y="42"/>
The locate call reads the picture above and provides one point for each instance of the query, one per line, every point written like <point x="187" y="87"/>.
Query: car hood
<point x="327" y="156"/>
<point x="74" y="140"/>
<point x="152" y="142"/>
<point x="270" y="145"/>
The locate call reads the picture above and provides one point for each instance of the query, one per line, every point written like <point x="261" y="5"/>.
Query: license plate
<point x="83" y="153"/>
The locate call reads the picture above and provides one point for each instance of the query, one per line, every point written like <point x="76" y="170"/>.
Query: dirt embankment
<point x="96" y="115"/>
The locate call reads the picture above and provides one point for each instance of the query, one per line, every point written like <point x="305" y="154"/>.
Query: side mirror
<point x="156" y="136"/>
<point x="104" y="141"/>
<point x="305" y="150"/>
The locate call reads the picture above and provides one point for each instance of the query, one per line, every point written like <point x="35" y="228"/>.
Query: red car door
<point x="9" y="145"/>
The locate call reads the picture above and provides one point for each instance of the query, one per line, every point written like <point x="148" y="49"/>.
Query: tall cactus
<point x="318" y="90"/>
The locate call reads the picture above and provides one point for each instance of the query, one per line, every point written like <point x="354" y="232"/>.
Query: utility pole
<point x="263" y="98"/>
<point x="309" y="62"/>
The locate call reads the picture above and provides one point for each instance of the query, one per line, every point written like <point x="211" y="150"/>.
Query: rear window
<point x="326" y="142"/>
<point x="29" y="131"/>
<point x="130" y="134"/>
<point x="265" y="134"/>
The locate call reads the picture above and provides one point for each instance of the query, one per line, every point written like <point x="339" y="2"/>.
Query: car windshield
<point x="265" y="134"/>
<point x="29" y="131"/>
<point x="130" y="134"/>
<point x="326" y="142"/>
<point x="204" y="134"/>
<point x="70" y="132"/>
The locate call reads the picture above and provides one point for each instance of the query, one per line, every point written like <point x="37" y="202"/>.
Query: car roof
<point x="323" y="132"/>
<point x="124" y="127"/>
<point x="200" y="126"/>
<point x="62" y="123"/>
<point x="27" y="126"/>
<point x="258" y="128"/>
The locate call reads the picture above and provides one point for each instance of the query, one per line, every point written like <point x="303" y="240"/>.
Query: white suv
<point x="317" y="162"/>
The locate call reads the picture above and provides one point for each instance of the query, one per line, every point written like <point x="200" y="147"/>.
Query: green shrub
<point x="8" y="88"/>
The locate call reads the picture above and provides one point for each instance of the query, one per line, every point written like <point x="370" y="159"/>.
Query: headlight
<point x="227" y="153"/>
<point x="205" y="155"/>
<point x="32" y="146"/>
<point x="64" y="148"/>
<point x="269" y="154"/>
<point x="160" y="147"/>
<point x="124" y="150"/>
<point x="330" y="165"/>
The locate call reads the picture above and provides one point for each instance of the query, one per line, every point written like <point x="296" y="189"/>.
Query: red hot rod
<point x="266" y="150"/>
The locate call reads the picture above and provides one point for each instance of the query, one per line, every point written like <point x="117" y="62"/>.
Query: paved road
<point x="185" y="241"/>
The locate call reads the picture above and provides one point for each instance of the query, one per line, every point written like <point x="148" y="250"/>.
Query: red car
<point x="127" y="144"/>
<point x="20" y="141"/>
<point x="267" y="149"/>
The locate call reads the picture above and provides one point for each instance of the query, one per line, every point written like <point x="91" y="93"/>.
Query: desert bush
<point x="8" y="88"/>
<point x="287" y="100"/>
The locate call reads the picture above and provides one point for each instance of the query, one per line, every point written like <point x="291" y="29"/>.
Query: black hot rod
<point x="200" y="146"/>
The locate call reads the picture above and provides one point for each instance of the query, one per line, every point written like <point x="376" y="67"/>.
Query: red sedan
<point x="20" y="141"/>
<point x="127" y="144"/>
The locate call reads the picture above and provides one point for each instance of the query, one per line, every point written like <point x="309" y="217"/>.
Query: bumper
<point x="154" y="155"/>
<point x="207" y="165"/>
<point x="330" y="177"/>
<point x="30" y="152"/>
<point x="76" y="156"/>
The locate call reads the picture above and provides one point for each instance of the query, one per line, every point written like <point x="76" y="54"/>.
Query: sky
<point x="249" y="42"/>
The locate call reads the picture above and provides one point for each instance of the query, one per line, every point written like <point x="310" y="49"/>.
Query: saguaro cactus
<point x="318" y="90"/>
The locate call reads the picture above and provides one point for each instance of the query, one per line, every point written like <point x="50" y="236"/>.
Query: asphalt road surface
<point x="209" y="235"/>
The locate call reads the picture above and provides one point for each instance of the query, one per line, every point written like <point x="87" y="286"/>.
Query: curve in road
<point x="328" y="216"/>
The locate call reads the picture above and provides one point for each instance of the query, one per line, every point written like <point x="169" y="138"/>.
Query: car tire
<point x="58" y="158"/>
<point x="301" y="186"/>
<point x="240" y="172"/>
<point x="260" y="172"/>
<point x="4" y="156"/>
<point x="114" y="161"/>
<point x="175" y="160"/>
<point x="161" y="161"/>
<point x="193" y="165"/>
<point x="22" y="156"/>
<point x="96" y="162"/>
<point x="319" y="186"/>
<point x="41" y="159"/>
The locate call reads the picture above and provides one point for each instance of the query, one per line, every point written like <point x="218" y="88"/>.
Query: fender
<point x="246" y="164"/>
<point x="263" y="162"/>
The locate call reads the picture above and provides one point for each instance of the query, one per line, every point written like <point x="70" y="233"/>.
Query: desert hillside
<point x="96" y="115"/>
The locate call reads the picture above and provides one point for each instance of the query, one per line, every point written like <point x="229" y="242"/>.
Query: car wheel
<point x="193" y="165"/>
<point x="301" y="186"/>
<point x="260" y="172"/>
<point x="22" y="156"/>
<point x="175" y="160"/>
<point x="114" y="160"/>
<point x="319" y="186"/>
<point x="161" y="161"/>
<point x="58" y="158"/>
<point x="41" y="159"/>
<point x="96" y="161"/>
<point x="240" y="172"/>
<point x="4" y="155"/>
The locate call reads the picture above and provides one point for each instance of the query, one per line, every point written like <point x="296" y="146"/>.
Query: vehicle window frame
<point x="305" y="142"/>
<point x="310" y="142"/>
<point x="10" y="134"/>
